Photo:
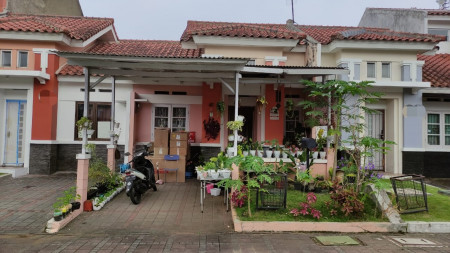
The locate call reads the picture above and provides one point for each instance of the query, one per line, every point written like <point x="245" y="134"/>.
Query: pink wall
<point x="143" y="118"/>
<point x="196" y="122"/>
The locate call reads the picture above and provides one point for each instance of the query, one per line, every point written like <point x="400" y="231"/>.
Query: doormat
<point x="336" y="240"/>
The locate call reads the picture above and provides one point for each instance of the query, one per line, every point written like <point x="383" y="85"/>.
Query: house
<point x="270" y="60"/>
<point x="29" y="86"/>
<point x="426" y="134"/>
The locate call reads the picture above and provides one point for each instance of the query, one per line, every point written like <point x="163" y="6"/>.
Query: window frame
<point x="442" y="135"/>
<point x="169" y="117"/>
<point x="10" y="59"/>
<point x="19" y="61"/>
<point x="389" y="68"/>
<point x="94" y="120"/>
<point x="374" y="70"/>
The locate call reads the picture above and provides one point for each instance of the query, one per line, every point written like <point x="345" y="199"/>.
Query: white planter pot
<point x="226" y="174"/>
<point x="277" y="153"/>
<point x="230" y="137"/>
<point x="215" y="191"/>
<point x="315" y="154"/>
<point x="285" y="155"/>
<point x="299" y="153"/>
<point x="230" y="152"/>
<point x="240" y="118"/>
<point x="96" y="208"/>
<point x="253" y="152"/>
<point x="269" y="153"/>
<point x="245" y="153"/>
<point x="260" y="153"/>
<point x="215" y="174"/>
<point x="210" y="172"/>
<point x="323" y="154"/>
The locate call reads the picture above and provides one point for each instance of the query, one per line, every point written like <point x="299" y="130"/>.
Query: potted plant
<point x="268" y="149"/>
<point x="276" y="148"/>
<point x="57" y="212"/>
<point x="220" y="106"/>
<point x="321" y="144"/>
<point x="235" y="125"/>
<point x="85" y="123"/>
<point x="201" y="172"/>
<point x="259" y="149"/>
<point x="260" y="102"/>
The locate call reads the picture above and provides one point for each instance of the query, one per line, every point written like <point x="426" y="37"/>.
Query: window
<point x="100" y="114"/>
<point x="438" y="129"/>
<point x="175" y="117"/>
<point x="443" y="32"/>
<point x="6" y="58"/>
<point x="385" y="70"/>
<point x="22" y="61"/>
<point x="371" y="70"/>
<point x="357" y="72"/>
<point x="292" y="125"/>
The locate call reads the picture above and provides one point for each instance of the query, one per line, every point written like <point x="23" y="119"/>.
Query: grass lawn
<point x="438" y="206"/>
<point x="294" y="197"/>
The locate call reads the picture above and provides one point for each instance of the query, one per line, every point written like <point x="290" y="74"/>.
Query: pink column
<point x="82" y="176"/>
<point x="111" y="157"/>
<point x="330" y="159"/>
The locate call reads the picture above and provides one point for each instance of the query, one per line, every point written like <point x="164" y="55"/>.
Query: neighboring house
<point x="271" y="60"/>
<point x="428" y="131"/>
<point x="28" y="84"/>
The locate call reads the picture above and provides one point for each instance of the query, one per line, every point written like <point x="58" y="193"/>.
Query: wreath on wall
<point x="212" y="128"/>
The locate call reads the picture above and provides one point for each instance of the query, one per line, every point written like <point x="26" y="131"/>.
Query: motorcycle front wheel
<point x="153" y="183"/>
<point x="135" y="195"/>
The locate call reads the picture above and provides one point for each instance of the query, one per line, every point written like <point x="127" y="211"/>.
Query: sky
<point x="166" y="19"/>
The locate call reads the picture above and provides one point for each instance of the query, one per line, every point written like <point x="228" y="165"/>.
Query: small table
<point x="203" y="183"/>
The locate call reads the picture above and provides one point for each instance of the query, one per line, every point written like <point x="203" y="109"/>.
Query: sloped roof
<point x="323" y="34"/>
<point x="147" y="48"/>
<point x="439" y="12"/>
<point x="80" y="28"/>
<point x="436" y="69"/>
<point x="228" y="29"/>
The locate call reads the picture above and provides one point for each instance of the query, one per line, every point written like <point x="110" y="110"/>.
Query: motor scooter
<point x="140" y="177"/>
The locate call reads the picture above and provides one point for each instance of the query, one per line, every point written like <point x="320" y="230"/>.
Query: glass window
<point x="433" y="129"/>
<point x="371" y="70"/>
<point x="385" y="70"/>
<point x="174" y="117"/>
<point x="447" y="129"/>
<point x="100" y="115"/>
<point x="6" y="58"/>
<point x="356" y="75"/>
<point x="23" y="59"/>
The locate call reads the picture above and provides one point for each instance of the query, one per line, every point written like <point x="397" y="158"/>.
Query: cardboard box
<point x="179" y="136"/>
<point x="158" y="151"/>
<point x="179" y="151"/>
<point x="162" y="137"/>
<point x="179" y="144"/>
<point x="171" y="177"/>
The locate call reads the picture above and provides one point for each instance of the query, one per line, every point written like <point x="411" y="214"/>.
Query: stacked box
<point x="161" y="144"/>
<point x="179" y="144"/>
<point x="171" y="177"/>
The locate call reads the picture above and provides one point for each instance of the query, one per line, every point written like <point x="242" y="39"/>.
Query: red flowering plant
<point x="238" y="198"/>
<point x="306" y="207"/>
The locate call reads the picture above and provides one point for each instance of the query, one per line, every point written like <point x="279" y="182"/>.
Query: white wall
<point x="70" y="92"/>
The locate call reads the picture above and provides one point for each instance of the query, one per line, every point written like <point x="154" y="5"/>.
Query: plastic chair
<point x="167" y="170"/>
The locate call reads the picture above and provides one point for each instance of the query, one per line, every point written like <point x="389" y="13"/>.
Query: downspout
<point x="236" y="103"/>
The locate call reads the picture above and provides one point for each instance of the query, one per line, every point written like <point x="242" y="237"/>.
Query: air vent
<point x="90" y="90"/>
<point x="179" y="93"/>
<point x="161" y="92"/>
<point x="104" y="90"/>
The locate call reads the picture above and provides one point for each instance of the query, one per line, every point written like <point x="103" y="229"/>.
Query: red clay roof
<point x="436" y="69"/>
<point x="228" y="29"/>
<point x="145" y="48"/>
<point x="70" y="70"/>
<point x="323" y="34"/>
<point x="439" y="12"/>
<point x="80" y="28"/>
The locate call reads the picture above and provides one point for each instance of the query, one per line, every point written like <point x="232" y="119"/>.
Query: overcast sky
<point x="166" y="19"/>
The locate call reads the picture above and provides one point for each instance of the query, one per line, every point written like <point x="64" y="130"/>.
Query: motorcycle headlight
<point x="129" y="183"/>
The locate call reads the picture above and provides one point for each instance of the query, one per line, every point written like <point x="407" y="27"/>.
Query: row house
<point x="176" y="84"/>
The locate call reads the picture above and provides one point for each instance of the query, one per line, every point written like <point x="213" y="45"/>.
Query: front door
<point x="15" y="132"/>
<point x="375" y="129"/>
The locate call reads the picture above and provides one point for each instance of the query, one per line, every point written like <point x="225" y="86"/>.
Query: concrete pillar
<point x="111" y="157"/>
<point x="82" y="176"/>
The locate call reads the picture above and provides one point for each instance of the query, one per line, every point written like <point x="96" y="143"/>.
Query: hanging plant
<point x="260" y="102"/>
<point x="290" y="108"/>
<point x="84" y="122"/>
<point x="235" y="125"/>
<point x="220" y="106"/>
<point x="212" y="128"/>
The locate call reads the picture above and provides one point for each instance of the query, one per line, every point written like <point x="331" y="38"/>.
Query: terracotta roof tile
<point x="436" y="69"/>
<point x="228" y="29"/>
<point x="439" y="12"/>
<point x="81" y="28"/>
<point x="323" y="34"/>
<point x="70" y="70"/>
<point x="145" y="48"/>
